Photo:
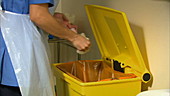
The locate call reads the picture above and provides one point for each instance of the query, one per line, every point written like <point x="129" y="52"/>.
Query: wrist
<point x="73" y="38"/>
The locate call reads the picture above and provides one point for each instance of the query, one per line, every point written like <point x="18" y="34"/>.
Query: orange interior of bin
<point x="92" y="71"/>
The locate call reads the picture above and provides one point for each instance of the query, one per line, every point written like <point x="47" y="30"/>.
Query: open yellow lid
<point x="115" y="38"/>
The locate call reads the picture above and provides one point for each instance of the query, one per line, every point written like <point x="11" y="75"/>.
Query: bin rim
<point x="68" y="78"/>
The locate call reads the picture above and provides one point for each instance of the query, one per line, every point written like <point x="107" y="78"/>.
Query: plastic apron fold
<point x="28" y="54"/>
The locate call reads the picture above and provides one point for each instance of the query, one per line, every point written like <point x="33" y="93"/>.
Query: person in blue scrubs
<point x="40" y="15"/>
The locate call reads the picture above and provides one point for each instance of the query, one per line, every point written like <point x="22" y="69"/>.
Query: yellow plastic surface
<point x="68" y="86"/>
<point x="116" y="42"/>
<point x="115" y="38"/>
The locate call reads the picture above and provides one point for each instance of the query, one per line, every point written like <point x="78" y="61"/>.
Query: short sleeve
<point x="50" y="2"/>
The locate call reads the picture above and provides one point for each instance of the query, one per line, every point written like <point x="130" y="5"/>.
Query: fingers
<point x="81" y="43"/>
<point x="70" y="26"/>
<point x="83" y="47"/>
<point x="60" y="17"/>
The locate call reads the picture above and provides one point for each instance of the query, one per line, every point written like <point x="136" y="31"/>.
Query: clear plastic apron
<point x="28" y="54"/>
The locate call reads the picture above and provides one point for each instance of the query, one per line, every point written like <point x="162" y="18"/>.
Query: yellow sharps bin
<point x="118" y="49"/>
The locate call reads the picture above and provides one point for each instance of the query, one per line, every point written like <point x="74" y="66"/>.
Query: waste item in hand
<point x="82" y="34"/>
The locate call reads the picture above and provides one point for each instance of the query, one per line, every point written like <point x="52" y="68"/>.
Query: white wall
<point x="149" y="20"/>
<point x="151" y="17"/>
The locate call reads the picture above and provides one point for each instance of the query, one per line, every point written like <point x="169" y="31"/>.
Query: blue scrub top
<point x="7" y="75"/>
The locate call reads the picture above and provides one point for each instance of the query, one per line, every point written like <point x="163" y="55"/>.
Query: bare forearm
<point x="40" y="15"/>
<point x="45" y="21"/>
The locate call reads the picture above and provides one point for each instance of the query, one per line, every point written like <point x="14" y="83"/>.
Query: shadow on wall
<point x="140" y="39"/>
<point x="162" y="0"/>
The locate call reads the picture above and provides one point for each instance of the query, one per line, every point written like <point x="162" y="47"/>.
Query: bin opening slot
<point x="92" y="71"/>
<point x="117" y="66"/>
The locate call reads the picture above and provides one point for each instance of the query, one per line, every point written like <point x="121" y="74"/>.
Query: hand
<point x="60" y="16"/>
<point x="63" y="20"/>
<point x="81" y="43"/>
